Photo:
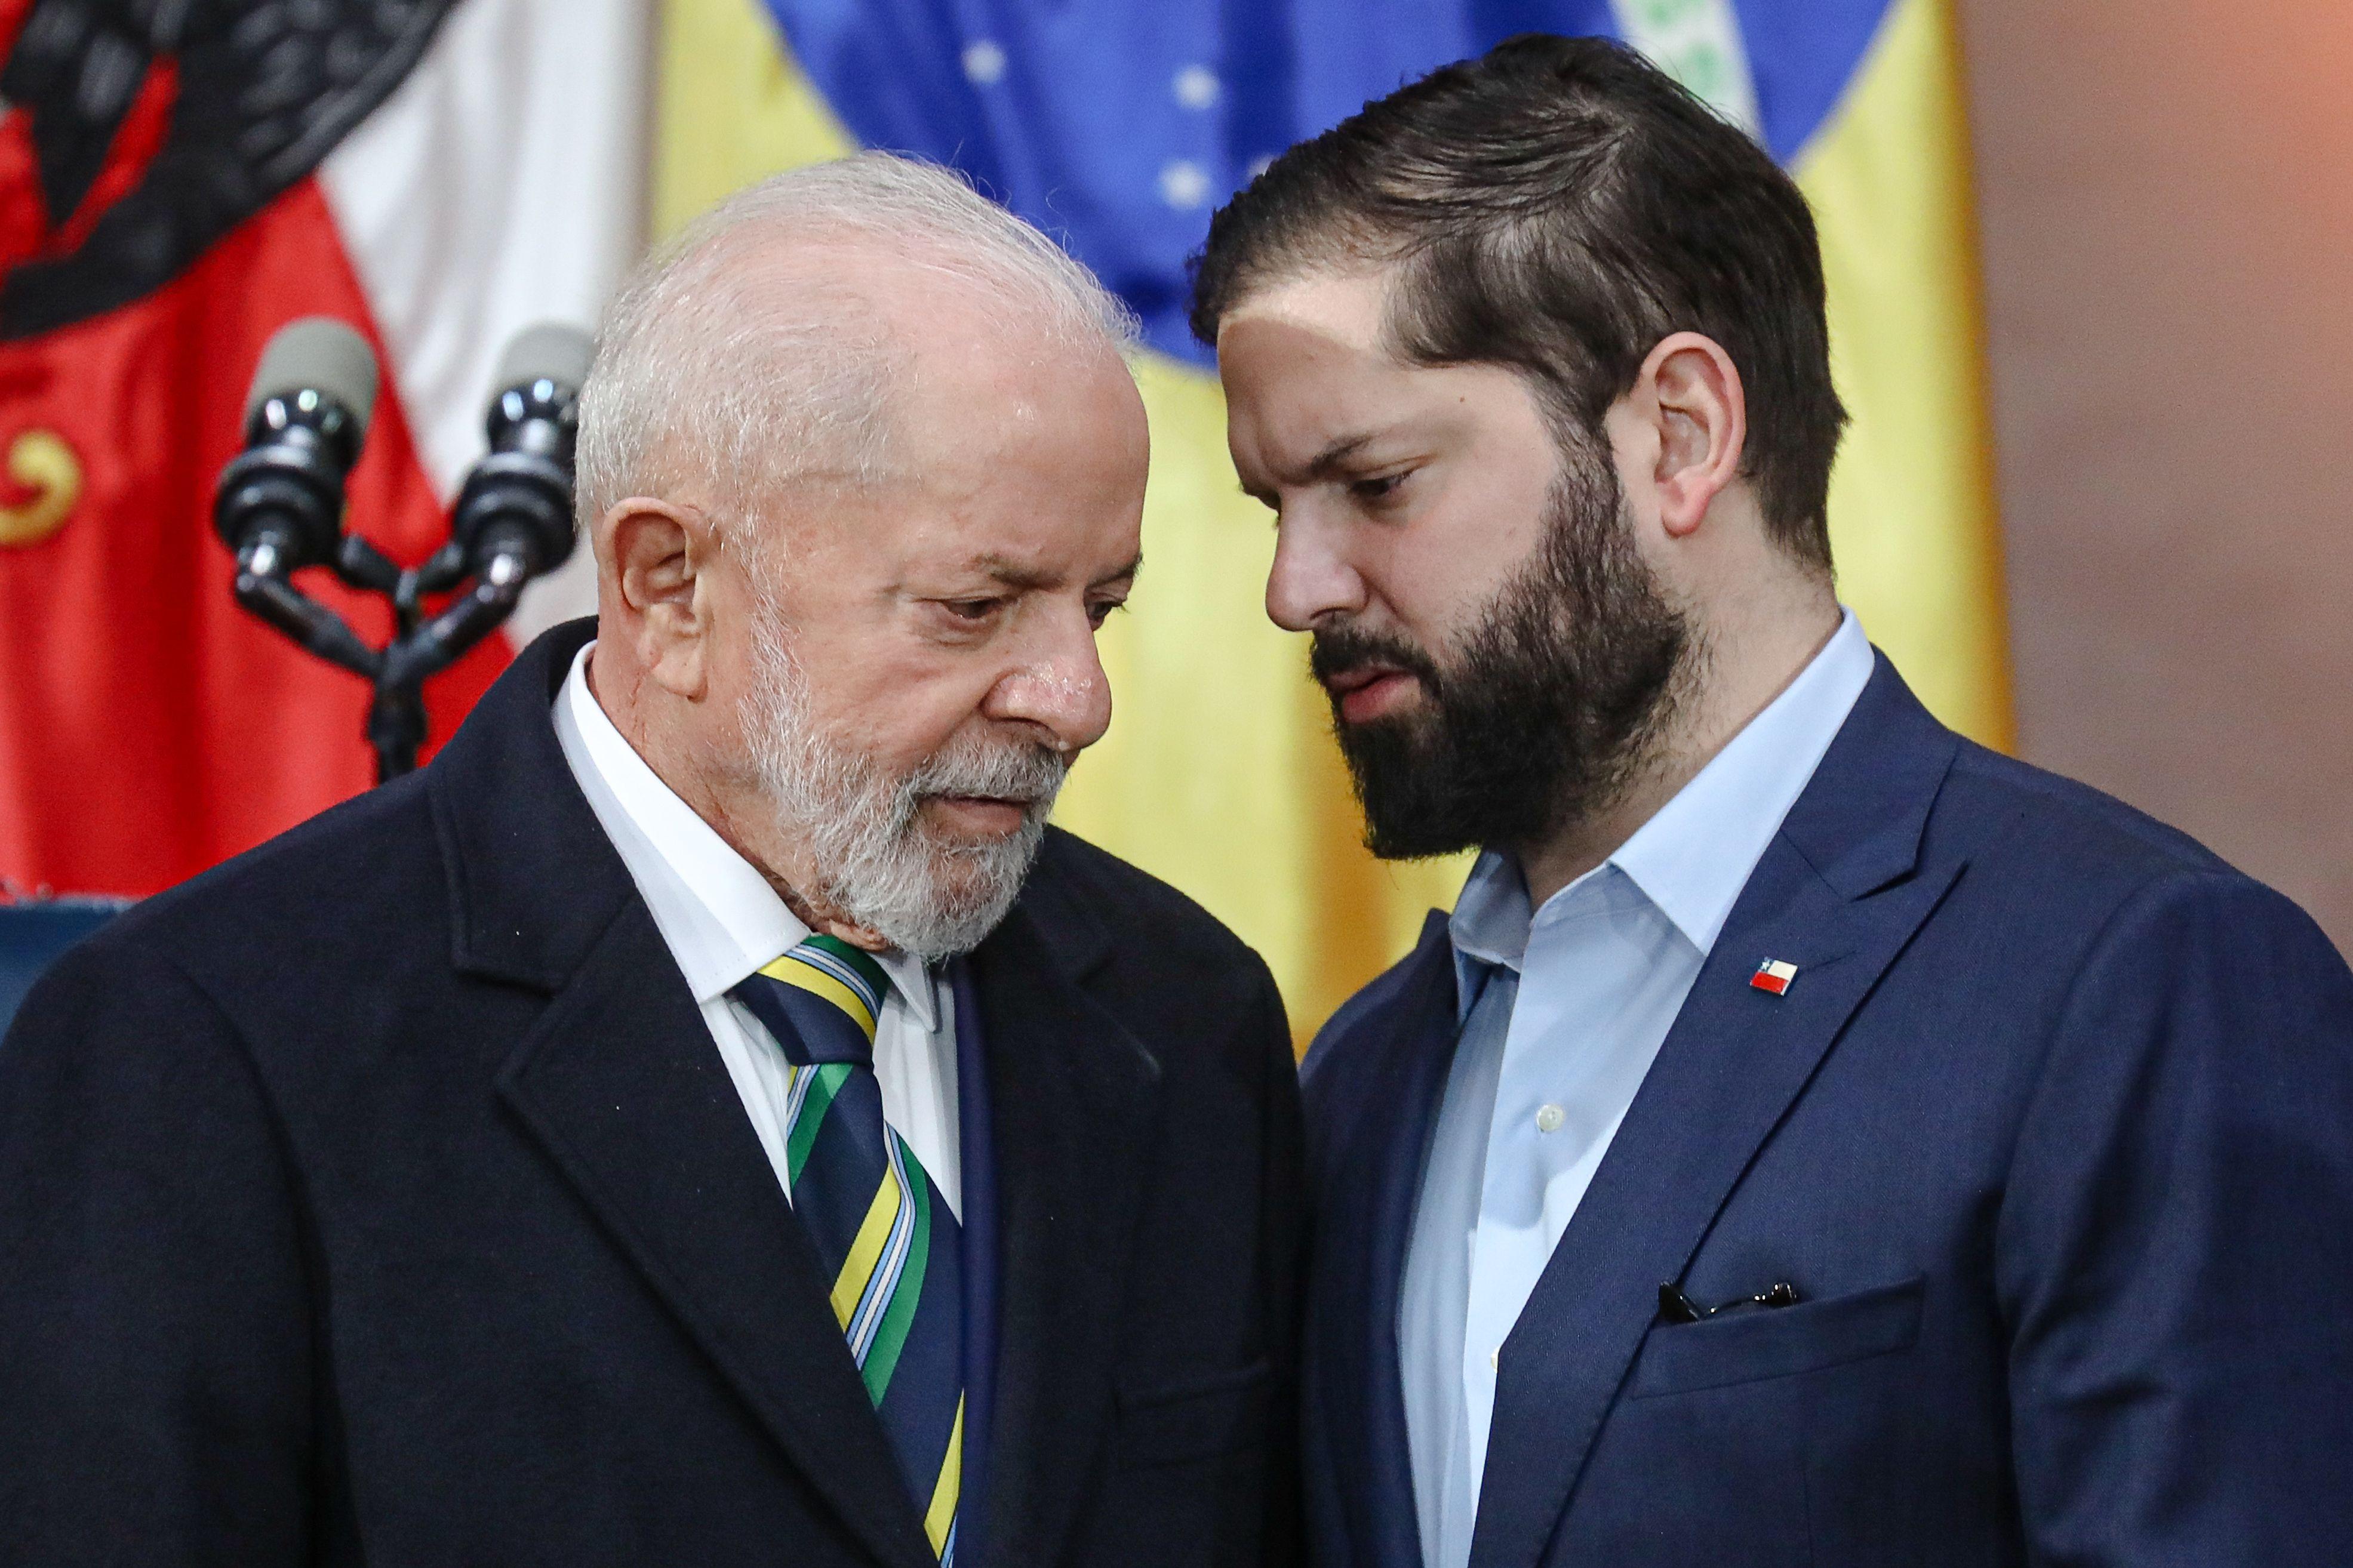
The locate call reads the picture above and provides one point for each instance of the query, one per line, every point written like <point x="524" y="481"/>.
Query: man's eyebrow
<point x="1322" y="465"/>
<point x="1014" y="574"/>
<point x="1011" y="574"/>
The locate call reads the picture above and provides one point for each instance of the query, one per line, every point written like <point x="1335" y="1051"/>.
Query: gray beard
<point x="876" y="860"/>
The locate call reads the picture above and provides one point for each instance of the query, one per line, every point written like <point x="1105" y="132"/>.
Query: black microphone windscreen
<point x="551" y="351"/>
<point x="318" y="353"/>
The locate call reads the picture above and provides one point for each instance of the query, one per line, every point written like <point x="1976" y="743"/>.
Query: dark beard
<point x="1550" y="708"/>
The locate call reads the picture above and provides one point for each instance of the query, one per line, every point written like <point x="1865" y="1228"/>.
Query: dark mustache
<point x="1335" y="651"/>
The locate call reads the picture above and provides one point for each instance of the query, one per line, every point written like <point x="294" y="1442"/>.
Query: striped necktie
<point x="883" y="1234"/>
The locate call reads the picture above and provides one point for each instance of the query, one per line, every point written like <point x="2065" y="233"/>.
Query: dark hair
<point x="1559" y="205"/>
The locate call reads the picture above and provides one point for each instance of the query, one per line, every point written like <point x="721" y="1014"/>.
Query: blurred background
<point x="2168" y="233"/>
<point x="2085" y="268"/>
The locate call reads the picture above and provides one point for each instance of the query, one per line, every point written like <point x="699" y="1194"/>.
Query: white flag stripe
<point x="501" y="185"/>
<point x="1698" y="43"/>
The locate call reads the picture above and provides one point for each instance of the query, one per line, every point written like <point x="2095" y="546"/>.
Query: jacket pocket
<point x="1779" y="1341"/>
<point x="1171" y="1423"/>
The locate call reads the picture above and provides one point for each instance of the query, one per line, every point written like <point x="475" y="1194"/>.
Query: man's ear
<point x="652" y="590"/>
<point x="1691" y="390"/>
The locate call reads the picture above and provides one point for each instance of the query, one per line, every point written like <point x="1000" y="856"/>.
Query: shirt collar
<point x="717" y="914"/>
<point x="1695" y="854"/>
<point x="1692" y="859"/>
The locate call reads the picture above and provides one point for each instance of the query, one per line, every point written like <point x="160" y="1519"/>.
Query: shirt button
<point x="1549" y="1119"/>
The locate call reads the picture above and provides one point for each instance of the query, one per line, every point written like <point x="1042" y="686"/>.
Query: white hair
<point x="702" y="368"/>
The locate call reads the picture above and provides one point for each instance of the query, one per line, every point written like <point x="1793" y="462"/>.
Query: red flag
<point x="166" y="205"/>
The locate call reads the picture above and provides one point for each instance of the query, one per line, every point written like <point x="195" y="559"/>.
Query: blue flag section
<point x="1803" y="55"/>
<point x="1120" y="125"/>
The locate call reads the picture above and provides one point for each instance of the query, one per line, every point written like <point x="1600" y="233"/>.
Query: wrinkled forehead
<point x="992" y="435"/>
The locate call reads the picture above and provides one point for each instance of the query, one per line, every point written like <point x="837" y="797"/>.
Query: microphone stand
<point x="421" y="647"/>
<point x="280" y="506"/>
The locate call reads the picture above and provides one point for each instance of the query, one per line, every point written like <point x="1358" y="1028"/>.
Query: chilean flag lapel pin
<point x="1774" y="976"/>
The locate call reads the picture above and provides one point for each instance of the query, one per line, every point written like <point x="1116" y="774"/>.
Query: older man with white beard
<point x="706" y="1116"/>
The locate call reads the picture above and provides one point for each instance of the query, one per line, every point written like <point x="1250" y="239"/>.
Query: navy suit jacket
<point x="2054" y="1134"/>
<point x="381" y="1197"/>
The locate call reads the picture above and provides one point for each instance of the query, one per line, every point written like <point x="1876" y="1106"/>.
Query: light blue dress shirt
<point x="1563" y="1011"/>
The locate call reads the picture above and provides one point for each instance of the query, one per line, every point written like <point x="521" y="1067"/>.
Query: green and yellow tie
<point x="883" y="1232"/>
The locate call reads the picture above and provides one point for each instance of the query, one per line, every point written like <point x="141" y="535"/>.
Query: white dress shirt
<point x="1562" y="1013"/>
<point x="722" y="922"/>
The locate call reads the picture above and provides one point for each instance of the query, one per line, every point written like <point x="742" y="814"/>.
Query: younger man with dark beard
<point x="1813" y="1140"/>
<point x="706" y="1117"/>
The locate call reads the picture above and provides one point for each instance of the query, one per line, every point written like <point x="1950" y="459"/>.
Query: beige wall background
<point x="2166" y="194"/>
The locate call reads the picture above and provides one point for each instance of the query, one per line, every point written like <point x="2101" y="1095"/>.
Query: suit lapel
<point x="1367" y="1222"/>
<point x="621" y="1084"/>
<point x="1839" y="893"/>
<point x="1074" y="1097"/>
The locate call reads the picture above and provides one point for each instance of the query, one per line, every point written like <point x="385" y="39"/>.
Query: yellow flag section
<point x="1219" y="774"/>
<point x="1912" y="523"/>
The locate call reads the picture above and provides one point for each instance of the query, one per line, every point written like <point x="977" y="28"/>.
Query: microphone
<point x="280" y="505"/>
<point x="513" y="519"/>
